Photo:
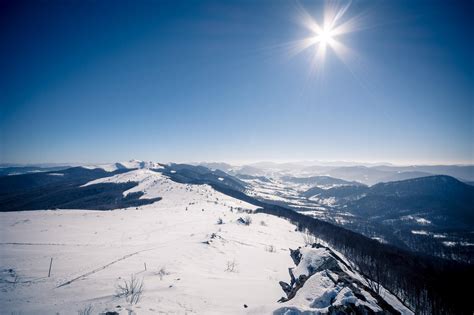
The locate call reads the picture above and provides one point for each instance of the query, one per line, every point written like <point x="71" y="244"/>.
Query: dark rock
<point x="329" y="263"/>
<point x="296" y="255"/>
<point x="286" y="287"/>
<point x="292" y="276"/>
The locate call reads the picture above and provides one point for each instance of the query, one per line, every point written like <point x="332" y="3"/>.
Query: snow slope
<point x="93" y="251"/>
<point x="154" y="184"/>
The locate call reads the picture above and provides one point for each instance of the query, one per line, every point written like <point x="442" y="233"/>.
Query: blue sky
<point x="192" y="81"/>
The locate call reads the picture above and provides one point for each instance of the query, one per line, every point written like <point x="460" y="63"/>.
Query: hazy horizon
<point x="253" y="162"/>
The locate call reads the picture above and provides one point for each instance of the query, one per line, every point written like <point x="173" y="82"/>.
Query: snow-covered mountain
<point x="132" y="164"/>
<point x="196" y="251"/>
<point x="206" y="242"/>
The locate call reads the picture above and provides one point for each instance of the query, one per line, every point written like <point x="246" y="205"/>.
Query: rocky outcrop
<point x="326" y="284"/>
<point x="327" y="262"/>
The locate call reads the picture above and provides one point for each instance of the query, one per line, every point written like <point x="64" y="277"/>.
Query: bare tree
<point x="130" y="289"/>
<point x="270" y="248"/>
<point x="231" y="266"/>
<point x="247" y="220"/>
<point x="162" y="272"/>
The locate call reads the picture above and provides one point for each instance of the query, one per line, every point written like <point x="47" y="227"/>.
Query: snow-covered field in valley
<point x="188" y="262"/>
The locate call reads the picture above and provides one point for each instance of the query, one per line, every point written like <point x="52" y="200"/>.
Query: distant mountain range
<point x="377" y="174"/>
<point x="442" y="199"/>
<point x="366" y="174"/>
<point x="407" y="191"/>
<point x="17" y="170"/>
<point x="319" y="181"/>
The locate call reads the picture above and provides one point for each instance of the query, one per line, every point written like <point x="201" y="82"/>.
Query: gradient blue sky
<point x="99" y="81"/>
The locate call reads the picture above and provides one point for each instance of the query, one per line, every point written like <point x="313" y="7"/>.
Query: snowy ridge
<point x="154" y="184"/>
<point x="132" y="164"/>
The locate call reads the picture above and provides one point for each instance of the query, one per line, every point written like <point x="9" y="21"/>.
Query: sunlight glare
<point x="324" y="35"/>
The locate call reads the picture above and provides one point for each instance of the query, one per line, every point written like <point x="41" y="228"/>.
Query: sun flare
<point x="326" y="34"/>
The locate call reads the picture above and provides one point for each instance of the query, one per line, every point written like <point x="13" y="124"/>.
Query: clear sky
<point x="103" y="81"/>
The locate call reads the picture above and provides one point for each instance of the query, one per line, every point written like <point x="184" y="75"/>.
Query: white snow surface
<point x="163" y="234"/>
<point x="93" y="251"/>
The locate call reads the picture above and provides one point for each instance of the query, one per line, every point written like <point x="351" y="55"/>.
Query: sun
<point x="325" y="37"/>
<point x="326" y="34"/>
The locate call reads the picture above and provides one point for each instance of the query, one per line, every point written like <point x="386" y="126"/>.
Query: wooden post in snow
<point x="144" y="265"/>
<point x="50" y="264"/>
